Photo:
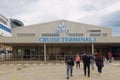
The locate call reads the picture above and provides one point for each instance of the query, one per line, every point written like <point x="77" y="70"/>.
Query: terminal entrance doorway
<point x="53" y="51"/>
<point x="26" y="54"/>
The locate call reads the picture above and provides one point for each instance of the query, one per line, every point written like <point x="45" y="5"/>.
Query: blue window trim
<point x="5" y="28"/>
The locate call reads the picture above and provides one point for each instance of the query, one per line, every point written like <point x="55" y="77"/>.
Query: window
<point x="95" y="34"/>
<point x="94" y="30"/>
<point x="4" y="17"/>
<point x="15" y="23"/>
<point x="25" y="34"/>
<point x="75" y="34"/>
<point x="105" y="34"/>
<point x="3" y="21"/>
<point x="50" y="34"/>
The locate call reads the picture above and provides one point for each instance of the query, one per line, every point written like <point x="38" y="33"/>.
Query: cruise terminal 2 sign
<point x="66" y="39"/>
<point x="62" y="28"/>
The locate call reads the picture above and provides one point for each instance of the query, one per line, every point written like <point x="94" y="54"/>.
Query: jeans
<point x="110" y="60"/>
<point x="92" y="64"/>
<point x="69" y="70"/>
<point x="78" y="64"/>
<point x="99" y="69"/>
<point x="88" y="69"/>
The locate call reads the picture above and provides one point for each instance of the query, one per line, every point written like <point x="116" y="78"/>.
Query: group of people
<point x="87" y="60"/>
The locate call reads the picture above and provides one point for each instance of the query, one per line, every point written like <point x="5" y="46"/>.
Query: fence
<point x="32" y="57"/>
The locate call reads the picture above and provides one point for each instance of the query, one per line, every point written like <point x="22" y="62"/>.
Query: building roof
<point x="65" y="21"/>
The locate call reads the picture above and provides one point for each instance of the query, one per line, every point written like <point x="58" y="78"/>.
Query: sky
<point x="104" y="13"/>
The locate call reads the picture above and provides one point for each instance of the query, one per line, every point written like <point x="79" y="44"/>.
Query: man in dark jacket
<point x="86" y="63"/>
<point x="69" y="61"/>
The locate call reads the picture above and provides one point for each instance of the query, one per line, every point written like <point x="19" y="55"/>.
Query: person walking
<point x="69" y="61"/>
<point x="86" y="64"/>
<point x="92" y="60"/>
<point x="99" y="63"/>
<point x="110" y="57"/>
<point x="77" y="60"/>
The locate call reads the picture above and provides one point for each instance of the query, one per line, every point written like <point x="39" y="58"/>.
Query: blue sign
<point x="66" y="39"/>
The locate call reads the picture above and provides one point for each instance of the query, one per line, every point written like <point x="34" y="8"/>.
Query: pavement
<point x="55" y="71"/>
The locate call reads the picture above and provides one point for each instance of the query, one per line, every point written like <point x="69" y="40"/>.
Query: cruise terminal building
<point x="51" y="40"/>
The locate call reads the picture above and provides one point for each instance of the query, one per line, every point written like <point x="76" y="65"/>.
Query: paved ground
<point x="55" y="71"/>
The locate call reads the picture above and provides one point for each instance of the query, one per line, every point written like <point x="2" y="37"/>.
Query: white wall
<point x="51" y="27"/>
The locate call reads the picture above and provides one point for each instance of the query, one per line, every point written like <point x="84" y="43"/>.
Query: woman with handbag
<point x="99" y="63"/>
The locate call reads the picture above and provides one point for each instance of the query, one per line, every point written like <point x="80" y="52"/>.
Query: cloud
<point x="113" y="21"/>
<point x="96" y="15"/>
<point x="13" y="7"/>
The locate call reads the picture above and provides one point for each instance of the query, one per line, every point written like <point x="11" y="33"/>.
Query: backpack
<point x="70" y="60"/>
<point x="93" y="57"/>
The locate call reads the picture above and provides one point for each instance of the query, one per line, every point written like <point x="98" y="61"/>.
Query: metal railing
<point x="35" y="57"/>
<point x="32" y="57"/>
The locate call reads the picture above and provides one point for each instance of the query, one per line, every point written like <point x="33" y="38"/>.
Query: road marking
<point x="19" y="64"/>
<point x="27" y="64"/>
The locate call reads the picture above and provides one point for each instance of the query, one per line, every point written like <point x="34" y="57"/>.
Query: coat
<point x="86" y="60"/>
<point x="99" y="62"/>
<point x="69" y="60"/>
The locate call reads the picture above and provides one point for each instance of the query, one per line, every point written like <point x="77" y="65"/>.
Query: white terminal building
<point x="51" y="40"/>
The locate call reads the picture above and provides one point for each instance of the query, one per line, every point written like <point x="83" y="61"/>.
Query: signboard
<point x="62" y="28"/>
<point x="66" y="39"/>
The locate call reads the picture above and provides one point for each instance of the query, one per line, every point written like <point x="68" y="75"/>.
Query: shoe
<point x="89" y="76"/>
<point x="84" y="74"/>
<point x="67" y="77"/>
